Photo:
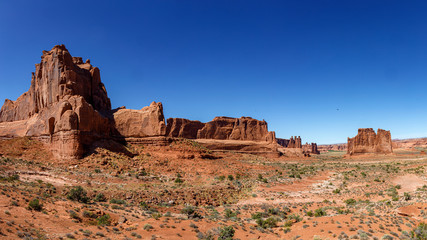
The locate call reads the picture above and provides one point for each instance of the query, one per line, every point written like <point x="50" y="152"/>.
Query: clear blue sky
<point x="318" y="69"/>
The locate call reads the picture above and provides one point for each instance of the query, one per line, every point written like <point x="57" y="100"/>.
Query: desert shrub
<point x="337" y="191"/>
<point x="74" y="215"/>
<point x="148" y="227"/>
<point x="35" y="205"/>
<point x="350" y="201"/>
<point x="319" y="212"/>
<point x="89" y="214"/>
<point x="190" y="211"/>
<point x="259" y="215"/>
<point x="230" y="177"/>
<point x="310" y="213"/>
<point x="144" y="205"/>
<point x="221" y="178"/>
<point x="270" y="222"/>
<point x="78" y="194"/>
<point x="178" y="180"/>
<point x="228" y="213"/>
<point x="295" y="217"/>
<point x="205" y="236"/>
<point x="406" y="196"/>
<point x="117" y="201"/>
<point x="420" y="233"/>
<point x="100" y="197"/>
<point x="288" y="223"/>
<point x="104" y="220"/>
<point x="226" y="233"/>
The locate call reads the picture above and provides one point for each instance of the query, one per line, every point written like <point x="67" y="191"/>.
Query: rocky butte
<point x="367" y="141"/>
<point x="67" y="107"/>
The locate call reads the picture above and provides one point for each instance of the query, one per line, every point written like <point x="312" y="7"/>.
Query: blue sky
<point x="318" y="69"/>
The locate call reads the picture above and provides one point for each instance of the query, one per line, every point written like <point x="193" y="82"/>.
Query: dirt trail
<point x="29" y="176"/>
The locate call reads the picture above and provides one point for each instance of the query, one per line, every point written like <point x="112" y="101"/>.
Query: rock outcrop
<point x="183" y="128"/>
<point x="147" y="122"/>
<point x="367" y="141"/>
<point x="290" y="143"/>
<point x="67" y="106"/>
<point x="244" y="128"/>
<point x="58" y="75"/>
<point x="310" y="148"/>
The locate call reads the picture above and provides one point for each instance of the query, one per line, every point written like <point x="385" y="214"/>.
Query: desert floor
<point x="184" y="191"/>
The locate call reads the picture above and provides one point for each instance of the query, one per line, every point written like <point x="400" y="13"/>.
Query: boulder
<point x="367" y="141"/>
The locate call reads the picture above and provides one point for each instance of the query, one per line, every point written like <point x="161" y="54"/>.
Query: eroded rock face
<point x="367" y="141"/>
<point x="310" y="148"/>
<point x="67" y="106"/>
<point x="58" y="75"/>
<point x="183" y="128"/>
<point x="244" y="128"/>
<point x="147" y="122"/>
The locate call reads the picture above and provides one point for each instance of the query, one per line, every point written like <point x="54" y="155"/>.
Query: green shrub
<point x="229" y="214"/>
<point x="406" y="196"/>
<point x="226" y="233"/>
<point x="420" y="233"/>
<point x="230" y="177"/>
<point x="89" y="214"/>
<point x="310" y="213"/>
<point x="270" y="222"/>
<point x="104" y="220"/>
<point x="350" y="201"/>
<point x="35" y="205"/>
<point x="319" y="212"/>
<point x="78" y="194"/>
<point x="190" y="211"/>
<point x="100" y="197"/>
<point x="117" y="201"/>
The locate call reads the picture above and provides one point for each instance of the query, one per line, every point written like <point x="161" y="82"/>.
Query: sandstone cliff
<point x="244" y="128"/>
<point x="67" y="106"/>
<point x="183" y="128"/>
<point x="290" y="143"/>
<point x="147" y="122"/>
<point x="367" y="141"/>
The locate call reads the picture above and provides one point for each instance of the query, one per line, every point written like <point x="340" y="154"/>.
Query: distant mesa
<point x="67" y="107"/>
<point x="367" y="141"/>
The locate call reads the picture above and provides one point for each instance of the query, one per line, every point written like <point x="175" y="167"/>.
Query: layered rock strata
<point x="367" y="141"/>
<point x="67" y="106"/>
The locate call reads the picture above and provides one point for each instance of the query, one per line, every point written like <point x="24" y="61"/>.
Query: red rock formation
<point x="294" y="142"/>
<point x="147" y="122"/>
<point x="310" y="148"/>
<point x="333" y="147"/>
<point x="244" y="128"/>
<point x="58" y="75"/>
<point x="367" y="141"/>
<point x="183" y="128"/>
<point x="67" y="105"/>
<point x="283" y="142"/>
